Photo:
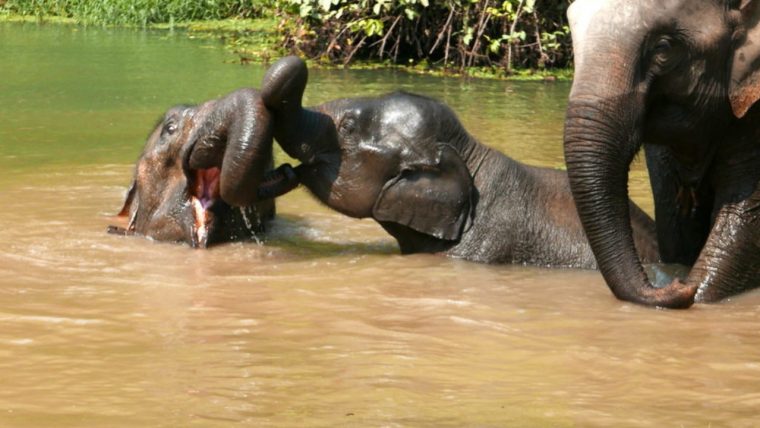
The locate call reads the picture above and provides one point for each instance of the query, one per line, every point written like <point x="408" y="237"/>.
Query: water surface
<point x="323" y="324"/>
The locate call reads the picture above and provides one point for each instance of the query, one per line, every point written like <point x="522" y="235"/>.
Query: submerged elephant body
<point x="681" y="78"/>
<point x="402" y="159"/>
<point x="407" y="161"/>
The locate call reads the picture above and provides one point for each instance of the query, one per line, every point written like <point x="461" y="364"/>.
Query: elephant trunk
<point x="234" y="134"/>
<point x="300" y="132"/>
<point x="602" y="136"/>
<point x="598" y="153"/>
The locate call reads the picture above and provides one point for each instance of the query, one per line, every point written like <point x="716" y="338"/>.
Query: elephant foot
<point x="278" y="182"/>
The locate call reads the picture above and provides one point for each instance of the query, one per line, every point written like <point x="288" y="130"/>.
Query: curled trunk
<point x="298" y="130"/>
<point x="601" y="139"/>
<point x="235" y="134"/>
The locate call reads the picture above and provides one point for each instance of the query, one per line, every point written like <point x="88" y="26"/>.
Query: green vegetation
<point x="452" y="34"/>
<point x="138" y="12"/>
<point x="525" y="39"/>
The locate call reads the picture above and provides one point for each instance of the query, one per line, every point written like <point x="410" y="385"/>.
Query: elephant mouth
<point x="204" y="194"/>
<point x="204" y="197"/>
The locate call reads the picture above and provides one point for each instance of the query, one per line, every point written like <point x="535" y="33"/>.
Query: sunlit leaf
<point x="495" y="46"/>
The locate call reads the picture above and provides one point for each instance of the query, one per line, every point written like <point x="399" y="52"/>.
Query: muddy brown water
<point x="323" y="323"/>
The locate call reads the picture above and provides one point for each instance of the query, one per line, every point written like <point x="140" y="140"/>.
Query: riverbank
<point x="257" y="40"/>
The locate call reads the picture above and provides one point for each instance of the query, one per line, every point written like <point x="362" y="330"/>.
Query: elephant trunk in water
<point x="602" y="135"/>
<point x="598" y="164"/>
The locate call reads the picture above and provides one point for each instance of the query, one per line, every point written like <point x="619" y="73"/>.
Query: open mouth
<point x="204" y="193"/>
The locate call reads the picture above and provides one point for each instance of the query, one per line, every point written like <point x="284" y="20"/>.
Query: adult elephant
<point x="680" y="77"/>
<point x="406" y="161"/>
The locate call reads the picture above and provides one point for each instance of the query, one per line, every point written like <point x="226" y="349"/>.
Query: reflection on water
<point x="325" y="324"/>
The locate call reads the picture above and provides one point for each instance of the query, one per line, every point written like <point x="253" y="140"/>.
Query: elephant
<point x="407" y="162"/>
<point x="170" y="201"/>
<point x="680" y="78"/>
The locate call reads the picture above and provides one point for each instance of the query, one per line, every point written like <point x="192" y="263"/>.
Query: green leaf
<point x="467" y="36"/>
<point x="529" y="5"/>
<point x="494" y="46"/>
<point x="305" y="10"/>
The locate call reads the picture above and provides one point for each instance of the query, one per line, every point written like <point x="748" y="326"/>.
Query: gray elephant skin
<point x="171" y="201"/>
<point x="680" y="78"/>
<point x="407" y="162"/>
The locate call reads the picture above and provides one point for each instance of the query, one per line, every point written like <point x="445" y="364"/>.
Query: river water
<point x="323" y="324"/>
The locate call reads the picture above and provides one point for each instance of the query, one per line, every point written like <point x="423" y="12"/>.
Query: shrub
<point x="460" y="33"/>
<point x="140" y="12"/>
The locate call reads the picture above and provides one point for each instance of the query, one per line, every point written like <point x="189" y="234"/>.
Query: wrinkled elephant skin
<point x="680" y="78"/>
<point x="407" y="162"/>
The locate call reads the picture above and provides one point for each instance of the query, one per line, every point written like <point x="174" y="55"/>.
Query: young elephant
<point x="171" y="201"/>
<point x="407" y="162"/>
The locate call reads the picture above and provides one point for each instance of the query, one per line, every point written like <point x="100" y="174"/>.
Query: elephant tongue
<point x="207" y="186"/>
<point x="205" y="193"/>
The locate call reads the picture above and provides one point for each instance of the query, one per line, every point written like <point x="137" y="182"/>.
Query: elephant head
<point x="677" y="76"/>
<point x="197" y="178"/>
<point x="398" y="158"/>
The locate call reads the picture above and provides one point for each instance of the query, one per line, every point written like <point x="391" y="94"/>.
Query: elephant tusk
<point x="201" y="226"/>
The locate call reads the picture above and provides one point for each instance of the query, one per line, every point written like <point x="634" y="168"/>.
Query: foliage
<point x="495" y="37"/>
<point x="139" y="12"/>
<point x="460" y="33"/>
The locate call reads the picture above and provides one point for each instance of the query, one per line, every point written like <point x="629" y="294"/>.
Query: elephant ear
<point x="431" y="199"/>
<point x="125" y="211"/>
<point x="128" y="200"/>
<point x="744" y="88"/>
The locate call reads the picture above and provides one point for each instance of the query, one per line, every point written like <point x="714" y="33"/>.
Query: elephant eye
<point x="666" y="54"/>
<point x="662" y="47"/>
<point x="170" y="127"/>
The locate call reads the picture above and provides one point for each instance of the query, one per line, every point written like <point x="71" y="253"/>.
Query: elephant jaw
<point x="205" y="192"/>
